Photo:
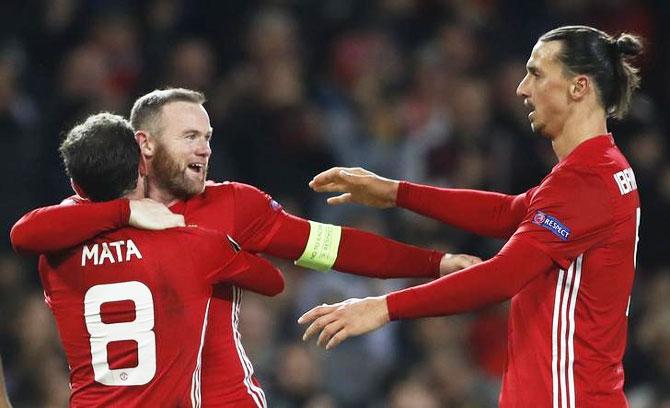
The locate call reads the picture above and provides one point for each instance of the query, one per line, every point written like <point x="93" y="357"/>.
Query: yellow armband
<point x="322" y="246"/>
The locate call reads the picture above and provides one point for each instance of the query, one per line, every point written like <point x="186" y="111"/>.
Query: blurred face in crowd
<point x="545" y="89"/>
<point x="182" y="151"/>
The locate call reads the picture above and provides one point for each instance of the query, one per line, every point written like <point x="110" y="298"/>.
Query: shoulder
<point x="573" y="179"/>
<point x="575" y="189"/>
<point x="230" y="187"/>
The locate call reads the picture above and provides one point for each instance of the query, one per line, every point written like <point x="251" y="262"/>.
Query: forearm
<point x="480" y="212"/>
<point x="261" y="277"/>
<point x="366" y="254"/>
<point x="57" y="227"/>
<point x="359" y="252"/>
<point x="489" y="282"/>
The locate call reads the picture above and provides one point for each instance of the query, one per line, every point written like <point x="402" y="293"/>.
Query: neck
<point x="580" y="127"/>
<point x="138" y="193"/>
<point x="156" y="193"/>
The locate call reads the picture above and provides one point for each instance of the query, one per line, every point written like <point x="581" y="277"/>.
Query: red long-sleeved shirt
<point x="568" y="269"/>
<point x="480" y="212"/>
<point x="54" y="228"/>
<point x="258" y="224"/>
<point x="494" y="280"/>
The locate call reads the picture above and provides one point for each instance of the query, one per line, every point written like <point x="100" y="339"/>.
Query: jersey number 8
<point x="140" y="330"/>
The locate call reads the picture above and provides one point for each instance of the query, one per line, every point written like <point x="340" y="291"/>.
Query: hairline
<point x="156" y="125"/>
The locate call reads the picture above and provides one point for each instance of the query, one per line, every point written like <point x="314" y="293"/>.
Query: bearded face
<point x="181" y="150"/>
<point x="176" y="175"/>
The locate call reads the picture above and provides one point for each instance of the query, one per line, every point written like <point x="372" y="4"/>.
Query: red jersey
<point x="567" y="328"/>
<point x="568" y="269"/>
<point x="258" y="224"/>
<point x="252" y="218"/>
<point x="131" y="309"/>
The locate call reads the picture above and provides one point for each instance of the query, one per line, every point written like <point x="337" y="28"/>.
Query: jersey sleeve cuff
<point x="405" y="194"/>
<point x="124" y="212"/>
<point x="394" y="301"/>
<point x="435" y="260"/>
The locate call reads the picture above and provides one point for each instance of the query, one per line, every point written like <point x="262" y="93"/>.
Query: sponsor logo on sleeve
<point x="552" y="224"/>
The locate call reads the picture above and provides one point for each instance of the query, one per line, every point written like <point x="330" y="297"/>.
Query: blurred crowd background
<point x="422" y="90"/>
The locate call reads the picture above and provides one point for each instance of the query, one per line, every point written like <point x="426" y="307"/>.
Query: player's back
<point x="131" y="314"/>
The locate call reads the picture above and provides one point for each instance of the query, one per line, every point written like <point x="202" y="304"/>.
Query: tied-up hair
<point x="605" y="58"/>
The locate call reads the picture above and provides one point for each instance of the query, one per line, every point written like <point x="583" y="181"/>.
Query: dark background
<point x="414" y="89"/>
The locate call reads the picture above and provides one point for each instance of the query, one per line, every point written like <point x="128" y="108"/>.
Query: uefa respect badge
<point x="552" y="224"/>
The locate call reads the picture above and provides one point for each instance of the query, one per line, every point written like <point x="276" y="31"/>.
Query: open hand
<point x="340" y="321"/>
<point x="357" y="185"/>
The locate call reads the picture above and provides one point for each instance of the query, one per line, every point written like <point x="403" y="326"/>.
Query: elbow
<point x="18" y="237"/>
<point x="277" y="286"/>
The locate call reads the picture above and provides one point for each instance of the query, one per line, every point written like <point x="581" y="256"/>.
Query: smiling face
<point x="546" y="89"/>
<point x="181" y="156"/>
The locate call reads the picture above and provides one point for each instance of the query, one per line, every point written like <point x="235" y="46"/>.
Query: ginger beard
<point x="176" y="177"/>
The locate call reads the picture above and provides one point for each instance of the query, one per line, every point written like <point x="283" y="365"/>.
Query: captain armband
<point x="322" y="246"/>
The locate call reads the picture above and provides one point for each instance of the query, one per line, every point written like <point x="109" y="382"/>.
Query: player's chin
<point x="196" y="187"/>
<point x="193" y="185"/>
<point x="536" y="126"/>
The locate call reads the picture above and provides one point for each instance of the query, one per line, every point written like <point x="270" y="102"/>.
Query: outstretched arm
<point x="492" y="281"/>
<point x="364" y="253"/>
<point x="480" y="212"/>
<point x="57" y="227"/>
<point x="261" y="225"/>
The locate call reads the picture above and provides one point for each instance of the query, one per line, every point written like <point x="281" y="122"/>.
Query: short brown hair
<point x="147" y="108"/>
<point x="102" y="156"/>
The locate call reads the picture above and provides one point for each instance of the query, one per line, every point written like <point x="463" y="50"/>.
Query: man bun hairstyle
<point x="102" y="157"/>
<point x="605" y="58"/>
<point x="146" y="111"/>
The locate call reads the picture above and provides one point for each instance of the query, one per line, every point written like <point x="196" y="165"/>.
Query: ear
<point x="78" y="189"/>
<point x="146" y="143"/>
<point x="580" y="87"/>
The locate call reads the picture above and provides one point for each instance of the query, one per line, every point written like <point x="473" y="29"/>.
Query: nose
<point x="203" y="149"/>
<point x="522" y="89"/>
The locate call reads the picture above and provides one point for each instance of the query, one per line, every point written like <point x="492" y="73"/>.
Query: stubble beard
<point x="170" y="175"/>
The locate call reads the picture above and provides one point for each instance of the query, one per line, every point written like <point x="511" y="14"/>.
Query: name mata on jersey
<point x="110" y="252"/>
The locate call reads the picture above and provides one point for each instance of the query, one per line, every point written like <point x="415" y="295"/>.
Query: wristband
<point x="322" y="246"/>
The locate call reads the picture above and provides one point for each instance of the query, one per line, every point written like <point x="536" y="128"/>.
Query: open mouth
<point x="197" y="167"/>
<point x="529" y="105"/>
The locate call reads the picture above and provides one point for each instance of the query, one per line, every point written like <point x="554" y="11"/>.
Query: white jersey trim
<point x="562" y="335"/>
<point x="252" y="389"/>
<point x="196" y="388"/>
